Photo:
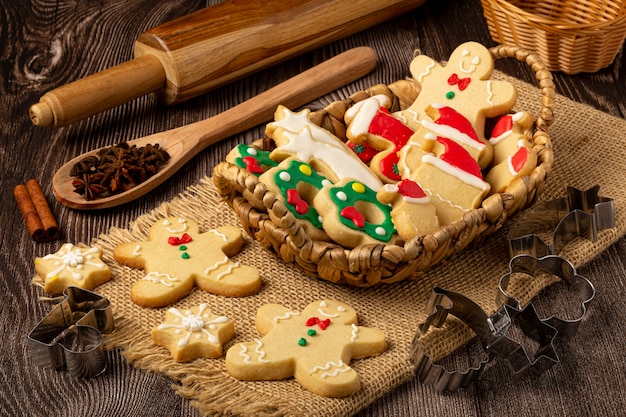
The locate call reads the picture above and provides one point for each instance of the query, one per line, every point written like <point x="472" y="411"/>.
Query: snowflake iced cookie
<point x="296" y="136"/>
<point x="77" y="266"/>
<point x="464" y="84"/>
<point x="315" y="346"/>
<point x="176" y="257"/>
<point x="193" y="333"/>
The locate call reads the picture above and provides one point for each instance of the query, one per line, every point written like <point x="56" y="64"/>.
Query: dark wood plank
<point x="47" y="43"/>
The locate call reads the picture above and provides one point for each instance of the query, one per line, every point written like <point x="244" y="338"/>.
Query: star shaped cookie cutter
<point x="579" y="213"/>
<point x="69" y="337"/>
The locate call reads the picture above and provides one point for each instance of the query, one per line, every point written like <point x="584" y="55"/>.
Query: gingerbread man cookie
<point x="193" y="333"/>
<point x="176" y="257"/>
<point x="296" y="136"/>
<point x="464" y="84"/>
<point x="315" y="346"/>
<point x="76" y="266"/>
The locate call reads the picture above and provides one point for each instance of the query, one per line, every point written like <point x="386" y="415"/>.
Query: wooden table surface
<point x="45" y="44"/>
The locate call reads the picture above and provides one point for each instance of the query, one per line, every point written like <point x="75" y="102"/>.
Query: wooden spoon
<point x="183" y="143"/>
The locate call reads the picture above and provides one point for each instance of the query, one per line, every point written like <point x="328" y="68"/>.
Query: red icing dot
<point x="294" y="198"/>
<point x="457" y="156"/>
<point x="252" y="165"/>
<point x="352" y="214"/>
<point x="410" y="189"/>
<point x="519" y="159"/>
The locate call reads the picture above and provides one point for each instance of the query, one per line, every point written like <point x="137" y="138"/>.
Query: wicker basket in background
<point x="571" y="36"/>
<point x="267" y="220"/>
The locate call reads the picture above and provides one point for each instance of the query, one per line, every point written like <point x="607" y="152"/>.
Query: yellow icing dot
<point x="53" y="278"/>
<point x="306" y="170"/>
<point x="358" y="187"/>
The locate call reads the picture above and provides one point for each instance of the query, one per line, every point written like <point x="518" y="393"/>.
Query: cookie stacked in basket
<point x="375" y="188"/>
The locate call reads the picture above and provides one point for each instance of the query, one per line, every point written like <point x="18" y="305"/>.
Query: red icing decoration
<point x="450" y="117"/>
<point x="364" y="151"/>
<point x="457" y="156"/>
<point x="385" y="125"/>
<point x="293" y="198"/>
<point x="462" y="83"/>
<point x="252" y="165"/>
<point x="503" y="125"/>
<point x="519" y="159"/>
<point x="351" y="213"/>
<point x="410" y="189"/>
<point x="175" y="241"/>
<point x="323" y="324"/>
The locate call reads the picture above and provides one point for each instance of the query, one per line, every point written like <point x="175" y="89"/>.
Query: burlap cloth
<point x="590" y="149"/>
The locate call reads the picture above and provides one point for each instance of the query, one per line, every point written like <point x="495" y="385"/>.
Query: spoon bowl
<point x="183" y="143"/>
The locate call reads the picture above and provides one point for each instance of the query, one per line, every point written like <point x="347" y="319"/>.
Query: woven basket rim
<point x="559" y="25"/>
<point x="375" y="264"/>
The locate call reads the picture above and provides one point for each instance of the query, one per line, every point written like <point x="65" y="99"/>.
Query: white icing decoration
<point x="216" y="265"/>
<point x="380" y="100"/>
<point x="137" y="250"/>
<point x="393" y="188"/>
<point x="342" y="196"/>
<point x="72" y="258"/>
<point x="286" y="316"/>
<point x="222" y="235"/>
<point x="489" y="93"/>
<point x="284" y="176"/>
<point x="340" y="367"/>
<point x="183" y="228"/>
<point x="194" y="323"/>
<point x="319" y="310"/>
<point x="354" y="335"/>
<point x="161" y="278"/>
<point x="380" y="231"/>
<point x="446" y="201"/>
<point x="259" y="351"/>
<point x="451" y="132"/>
<point x="475" y="61"/>
<point x="228" y="271"/>
<point x="308" y="141"/>
<point x="426" y="72"/>
<point x="456" y="172"/>
<point x="252" y="151"/>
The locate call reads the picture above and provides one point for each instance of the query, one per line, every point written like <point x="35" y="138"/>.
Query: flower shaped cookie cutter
<point x="69" y="337"/>
<point x="581" y="213"/>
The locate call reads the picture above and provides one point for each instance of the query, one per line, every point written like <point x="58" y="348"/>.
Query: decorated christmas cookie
<point x="412" y="212"/>
<point x="315" y="346"/>
<point x="507" y="135"/>
<point x="296" y="136"/>
<point x="72" y="266"/>
<point x="248" y="157"/>
<point x="352" y="216"/>
<point x="193" y="333"/>
<point x="297" y="184"/>
<point x="464" y="84"/>
<point x="452" y="179"/>
<point x="371" y="123"/>
<point x="176" y="257"/>
<point x="520" y="164"/>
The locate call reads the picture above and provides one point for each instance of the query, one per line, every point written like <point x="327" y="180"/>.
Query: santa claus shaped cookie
<point x="508" y="135"/>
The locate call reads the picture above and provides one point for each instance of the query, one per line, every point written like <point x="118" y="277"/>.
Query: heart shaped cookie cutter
<point x="69" y="337"/>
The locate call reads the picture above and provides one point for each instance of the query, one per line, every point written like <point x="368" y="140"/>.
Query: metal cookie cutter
<point x="70" y="336"/>
<point x="579" y="213"/>
<point x="492" y="330"/>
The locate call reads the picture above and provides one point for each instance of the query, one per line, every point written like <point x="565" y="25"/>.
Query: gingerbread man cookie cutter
<point x="580" y="213"/>
<point x="69" y="337"/>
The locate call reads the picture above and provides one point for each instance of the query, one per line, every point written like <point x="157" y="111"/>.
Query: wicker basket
<point x="267" y="219"/>
<point x="571" y="36"/>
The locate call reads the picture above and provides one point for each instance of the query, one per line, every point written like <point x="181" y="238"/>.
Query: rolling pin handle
<point x="99" y="92"/>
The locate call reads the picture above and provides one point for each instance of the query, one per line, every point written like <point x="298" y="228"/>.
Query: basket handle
<point x="543" y="76"/>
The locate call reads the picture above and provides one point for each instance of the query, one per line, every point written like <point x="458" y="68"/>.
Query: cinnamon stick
<point x="37" y="214"/>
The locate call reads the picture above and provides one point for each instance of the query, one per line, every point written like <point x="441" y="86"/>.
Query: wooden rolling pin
<point x="193" y="54"/>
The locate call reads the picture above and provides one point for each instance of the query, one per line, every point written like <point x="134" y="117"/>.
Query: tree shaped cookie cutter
<point x="69" y="337"/>
<point x="581" y="213"/>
